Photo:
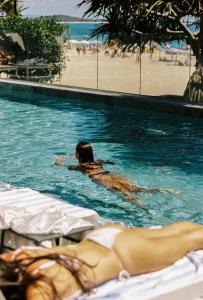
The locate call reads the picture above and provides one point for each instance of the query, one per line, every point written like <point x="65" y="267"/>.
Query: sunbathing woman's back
<point x="111" y="251"/>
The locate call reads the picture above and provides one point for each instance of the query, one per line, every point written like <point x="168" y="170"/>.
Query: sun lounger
<point x="181" y="281"/>
<point x="192" y="290"/>
<point x="2" y="296"/>
<point x="35" y="201"/>
<point x="37" y="217"/>
<point x="38" y="239"/>
<point x="5" y="187"/>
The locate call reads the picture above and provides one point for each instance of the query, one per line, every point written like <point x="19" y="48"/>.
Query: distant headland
<point x="68" y="19"/>
<point x="64" y="18"/>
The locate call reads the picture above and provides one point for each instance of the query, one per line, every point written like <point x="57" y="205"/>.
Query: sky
<point x="53" y="7"/>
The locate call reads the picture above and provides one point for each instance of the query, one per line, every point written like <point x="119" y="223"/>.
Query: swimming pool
<point x="154" y="150"/>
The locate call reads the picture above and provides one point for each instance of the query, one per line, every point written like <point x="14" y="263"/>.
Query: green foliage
<point x="133" y="20"/>
<point x="39" y="36"/>
<point x="41" y="39"/>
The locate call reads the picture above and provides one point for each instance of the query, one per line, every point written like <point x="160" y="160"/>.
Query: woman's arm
<point x="59" y="163"/>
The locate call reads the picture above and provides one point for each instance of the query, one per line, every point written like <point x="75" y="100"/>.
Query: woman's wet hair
<point x="85" y="152"/>
<point x="15" y="280"/>
<point x="15" y="273"/>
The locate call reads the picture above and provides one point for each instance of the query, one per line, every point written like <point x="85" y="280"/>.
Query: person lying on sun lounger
<point x="112" y="181"/>
<point x="108" y="252"/>
<point x="5" y="58"/>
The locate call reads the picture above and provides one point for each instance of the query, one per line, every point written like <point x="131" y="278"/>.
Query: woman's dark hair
<point x="85" y="152"/>
<point x="19" y="279"/>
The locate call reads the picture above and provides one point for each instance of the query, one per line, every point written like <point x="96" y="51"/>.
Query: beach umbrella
<point x="16" y="39"/>
<point x="84" y="42"/>
<point x="176" y="51"/>
<point x="12" y="44"/>
<point x="95" y="42"/>
<point x="74" y="42"/>
<point x="7" y="40"/>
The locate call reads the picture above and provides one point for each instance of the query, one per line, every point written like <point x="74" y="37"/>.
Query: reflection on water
<point x="154" y="150"/>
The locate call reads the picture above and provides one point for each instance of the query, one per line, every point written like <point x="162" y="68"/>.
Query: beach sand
<point x="161" y="75"/>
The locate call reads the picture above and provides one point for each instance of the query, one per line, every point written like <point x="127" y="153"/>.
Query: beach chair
<point x="181" y="281"/>
<point x="36" y="201"/>
<point x="5" y="187"/>
<point x="2" y="296"/>
<point x="9" y="285"/>
<point x="29" y="215"/>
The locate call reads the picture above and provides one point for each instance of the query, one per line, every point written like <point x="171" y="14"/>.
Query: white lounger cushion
<point x="2" y="296"/>
<point x="35" y="201"/>
<point x="50" y="221"/>
<point x="161" y="285"/>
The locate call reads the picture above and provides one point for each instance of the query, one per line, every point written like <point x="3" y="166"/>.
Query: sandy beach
<point x="161" y="74"/>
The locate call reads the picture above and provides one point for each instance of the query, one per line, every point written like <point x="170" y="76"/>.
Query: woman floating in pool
<point x="112" y="181"/>
<point x="109" y="252"/>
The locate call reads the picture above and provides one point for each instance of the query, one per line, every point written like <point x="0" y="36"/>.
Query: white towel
<point x="50" y="221"/>
<point x="35" y="201"/>
<point x="147" y="286"/>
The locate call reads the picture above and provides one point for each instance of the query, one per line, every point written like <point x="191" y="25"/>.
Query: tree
<point x="142" y="21"/>
<point x="11" y="7"/>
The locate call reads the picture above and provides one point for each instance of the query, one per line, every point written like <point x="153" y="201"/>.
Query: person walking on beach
<point x="109" y="252"/>
<point x="84" y="50"/>
<point x="112" y="181"/>
<point x="94" y="49"/>
<point x="78" y="50"/>
<point x="152" y="50"/>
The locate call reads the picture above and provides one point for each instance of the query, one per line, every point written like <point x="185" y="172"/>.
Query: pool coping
<point x="169" y="104"/>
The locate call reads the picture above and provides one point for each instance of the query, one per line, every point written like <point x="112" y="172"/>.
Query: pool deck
<point x="169" y="104"/>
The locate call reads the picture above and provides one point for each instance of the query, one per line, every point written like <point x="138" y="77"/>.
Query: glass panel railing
<point x="95" y="64"/>
<point x="79" y="64"/>
<point x="119" y="68"/>
<point x="162" y="68"/>
<point x="166" y="68"/>
<point x="192" y="67"/>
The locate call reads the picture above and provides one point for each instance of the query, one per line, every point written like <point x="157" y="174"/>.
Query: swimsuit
<point x="99" y="173"/>
<point x="106" y="238"/>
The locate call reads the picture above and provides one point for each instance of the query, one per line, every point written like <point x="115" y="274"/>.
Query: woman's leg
<point x="166" y="231"/>
<point x="117" y="183"/>
<point x="129" y="186"/>
<point x="169" y="230"/>
<point x="164" y="251"/>
<point x="169" y="249"/>
<point x="142" y="254"/>
<point x="155" y="190"/>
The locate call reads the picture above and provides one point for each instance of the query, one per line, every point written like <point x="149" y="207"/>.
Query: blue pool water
<point x="166" y="151"/>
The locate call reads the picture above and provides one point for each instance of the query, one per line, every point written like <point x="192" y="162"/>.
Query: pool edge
<point x="173" y="105"/>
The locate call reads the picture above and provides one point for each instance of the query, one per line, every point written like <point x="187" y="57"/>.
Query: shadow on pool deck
<point x="165" y="103"/>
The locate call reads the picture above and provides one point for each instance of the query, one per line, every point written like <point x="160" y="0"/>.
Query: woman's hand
<point x="58" y="162"/>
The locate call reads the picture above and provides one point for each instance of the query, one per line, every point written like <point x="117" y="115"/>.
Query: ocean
<point x="82" y="31"/>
